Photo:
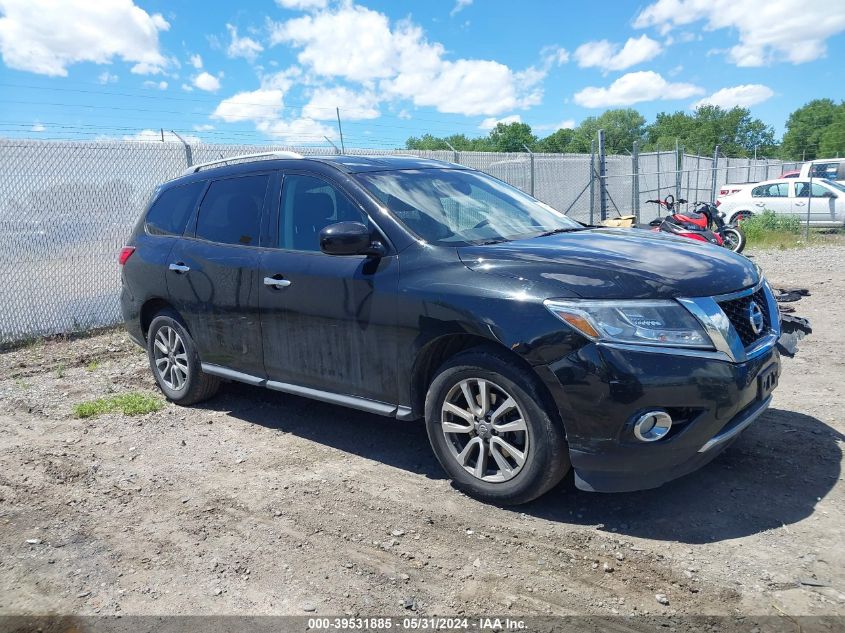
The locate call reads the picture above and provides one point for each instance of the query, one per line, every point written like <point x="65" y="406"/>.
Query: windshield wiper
<point x="561" y="230"/>
<point x="497" y="240"/>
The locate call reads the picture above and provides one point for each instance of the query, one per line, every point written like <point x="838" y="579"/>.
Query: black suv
<point x="414" y="288"/>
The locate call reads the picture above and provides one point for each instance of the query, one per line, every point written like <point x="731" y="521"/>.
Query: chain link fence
<point x="66" y="209"/>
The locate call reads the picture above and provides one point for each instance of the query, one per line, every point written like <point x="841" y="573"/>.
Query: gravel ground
<point x="259" y="502"/>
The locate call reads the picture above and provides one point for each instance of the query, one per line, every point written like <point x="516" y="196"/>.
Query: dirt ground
<point x="258" y="502"/>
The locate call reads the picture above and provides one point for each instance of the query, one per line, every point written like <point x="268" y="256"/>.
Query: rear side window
<point x="230" y="212"/>
<point x="770" y="191"/>
<point x="169" y="214"/>
<point x="824" y="170"/>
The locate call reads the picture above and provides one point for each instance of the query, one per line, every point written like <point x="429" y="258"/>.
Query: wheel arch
<point x="440" y="350"/>
<point x="150" y="308"/>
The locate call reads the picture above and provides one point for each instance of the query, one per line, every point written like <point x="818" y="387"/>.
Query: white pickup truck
<point x="828" y="168"/>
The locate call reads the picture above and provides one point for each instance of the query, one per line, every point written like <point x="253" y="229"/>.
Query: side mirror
<point x="828" y="194"/>
<point x="349" y="238"/>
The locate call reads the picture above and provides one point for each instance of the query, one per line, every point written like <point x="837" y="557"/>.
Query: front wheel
<point x="733" y="238"/>
<point x="490" y="429"/>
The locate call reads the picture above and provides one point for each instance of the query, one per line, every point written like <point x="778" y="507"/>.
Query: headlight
<point x="663" y="323"/>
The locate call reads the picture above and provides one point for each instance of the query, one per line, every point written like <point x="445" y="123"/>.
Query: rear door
<point x="213" y="277"/>
<point x="771" y="197"/>
<point x="327" y="320"/>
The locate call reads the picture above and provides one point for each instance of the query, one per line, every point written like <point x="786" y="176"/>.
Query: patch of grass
<point x="20" y="383"/>
<point x="769" y="230"/>
<point x="60" y="370"/>
<point x="92" y="366"/>
<point x="132" y="403"/>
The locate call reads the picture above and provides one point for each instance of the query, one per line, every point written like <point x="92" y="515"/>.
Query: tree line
<point x="815" y="130"/>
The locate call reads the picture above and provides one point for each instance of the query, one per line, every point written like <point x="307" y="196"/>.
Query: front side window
<point x="455" y="207"/>
<point x="802" y="190"/>
<point x="309" y="205"/>
<point x="169" y="214"/>
<point x="770" y="191"/>
<point x="230" y="212"/>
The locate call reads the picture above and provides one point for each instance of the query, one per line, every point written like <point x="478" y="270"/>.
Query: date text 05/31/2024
<point x="417" y="624"/>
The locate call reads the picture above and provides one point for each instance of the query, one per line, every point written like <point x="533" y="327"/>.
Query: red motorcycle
<point x="705" y="224"/>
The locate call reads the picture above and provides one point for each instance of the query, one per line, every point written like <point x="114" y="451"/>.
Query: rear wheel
<point x="175" y="363"/>
<point x="489" y="428"/>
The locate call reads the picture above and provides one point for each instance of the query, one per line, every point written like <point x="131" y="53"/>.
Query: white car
<point x="785" y="196"/>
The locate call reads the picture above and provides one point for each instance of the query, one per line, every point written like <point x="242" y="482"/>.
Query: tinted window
<point x="171" y="210"/>
<point x="308" y="206"/>
<point x="802" y="190"/>
<point x="230" y="212"/>
<point x="770" y="191"/>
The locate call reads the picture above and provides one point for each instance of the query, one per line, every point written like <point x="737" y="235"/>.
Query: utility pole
<point x="340" y="130"/>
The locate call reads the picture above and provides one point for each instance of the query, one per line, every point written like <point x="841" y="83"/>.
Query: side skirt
<point x="353" y="402"/>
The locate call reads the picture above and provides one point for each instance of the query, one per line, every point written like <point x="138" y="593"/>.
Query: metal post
<point x="715" y="173"/>
<point x="162" y="135"/>
<point x="531" y="166"/>
<point x="340" y="129"/>
<point x="189" y="156"/>
<point x="635" y="184"/>
<point x="336" y="148"/>
<point x="658" y="174"/>
<point x="809" y="202"/>
<point x="677" y="170"/>
<point x="592" y="180"/>
<point x="456" y="155"/>
<point x="697" y="169"/>
<point x="602" y="177"/>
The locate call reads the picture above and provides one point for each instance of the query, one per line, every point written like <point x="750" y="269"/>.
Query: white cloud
<point x="207" y="81"/>
<point x="633" y="88"/>
<point x="45" y="36"/>
<point x="245" y="47"/>
<point x="302" y="5"/>
<point x="158" y="85"/>
<point x="566" y="124"/>
<point x="460" y="5"/>
<point x="742" y="96"/>
<point x="490" y="122"/>
<point x="353" y="105"/>
<point x="554" y="56"/>
<point x="154" y="136"/>
<point x="204" y="127"/>
<point x="611" y="56"/>
<point x="257" y="105"/>
<point x="404" y="114"/>
<point x="301" y="130"/>
<point x="38" y="127"/>
<point x="771" y="31"/>
<point x="196" y="61"/>
<point x="106" y="77"/>
<point x="358" y="44"/>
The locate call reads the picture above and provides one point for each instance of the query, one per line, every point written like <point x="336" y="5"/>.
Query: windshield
<point x="455" y="207"/>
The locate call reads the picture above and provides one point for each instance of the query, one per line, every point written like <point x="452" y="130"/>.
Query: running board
<point x="353" y="402"/>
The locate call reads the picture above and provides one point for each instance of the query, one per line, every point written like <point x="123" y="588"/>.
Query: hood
<point x="615" y="264"/>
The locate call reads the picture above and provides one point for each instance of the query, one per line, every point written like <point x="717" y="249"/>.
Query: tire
<point x="175" y="363"/>
<point x="737" y="239"/>
<point x="740" y="217"/>
<point x="542" y="442"/>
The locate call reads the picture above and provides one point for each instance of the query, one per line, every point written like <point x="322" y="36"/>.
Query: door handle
<point x="278" y="284"/>
<point x="760" y="204"/>
<point x="179" y="268"/>
<point x="800" y="204"/>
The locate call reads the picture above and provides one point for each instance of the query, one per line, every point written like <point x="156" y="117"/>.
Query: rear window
<point x="824" y="170"/>
<point x="169" y="214"/>
<point x="230" y="212"/>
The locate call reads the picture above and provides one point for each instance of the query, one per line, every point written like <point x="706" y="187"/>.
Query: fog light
<point x="652" y="426"/>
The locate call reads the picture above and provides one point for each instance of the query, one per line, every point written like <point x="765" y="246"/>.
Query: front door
<point x="327" y="321"/>
<point x="213" y="276"/>
<point x="822" y="207"/>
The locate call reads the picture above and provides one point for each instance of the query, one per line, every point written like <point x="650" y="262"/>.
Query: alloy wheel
<point x="485" y="430"/>
<point x="171" y="360"/>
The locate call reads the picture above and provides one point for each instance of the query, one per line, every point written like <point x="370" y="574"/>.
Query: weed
<point x="132" y="403"/>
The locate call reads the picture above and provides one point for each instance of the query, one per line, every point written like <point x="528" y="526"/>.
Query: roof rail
<point x="224" y="161"/>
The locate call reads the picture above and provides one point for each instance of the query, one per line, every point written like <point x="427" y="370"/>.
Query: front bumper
<point x="601" y="390"/>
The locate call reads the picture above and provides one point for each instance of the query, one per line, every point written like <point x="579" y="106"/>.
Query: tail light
<point x="125" y="254"/>
<point x="718" y="202"/>
<point x="727" y="192"/>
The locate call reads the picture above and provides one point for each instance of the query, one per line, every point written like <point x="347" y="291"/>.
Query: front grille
<point x="737" y="311"/>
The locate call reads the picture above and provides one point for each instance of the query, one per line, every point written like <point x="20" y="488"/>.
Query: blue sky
<point x="274" y="70"/>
